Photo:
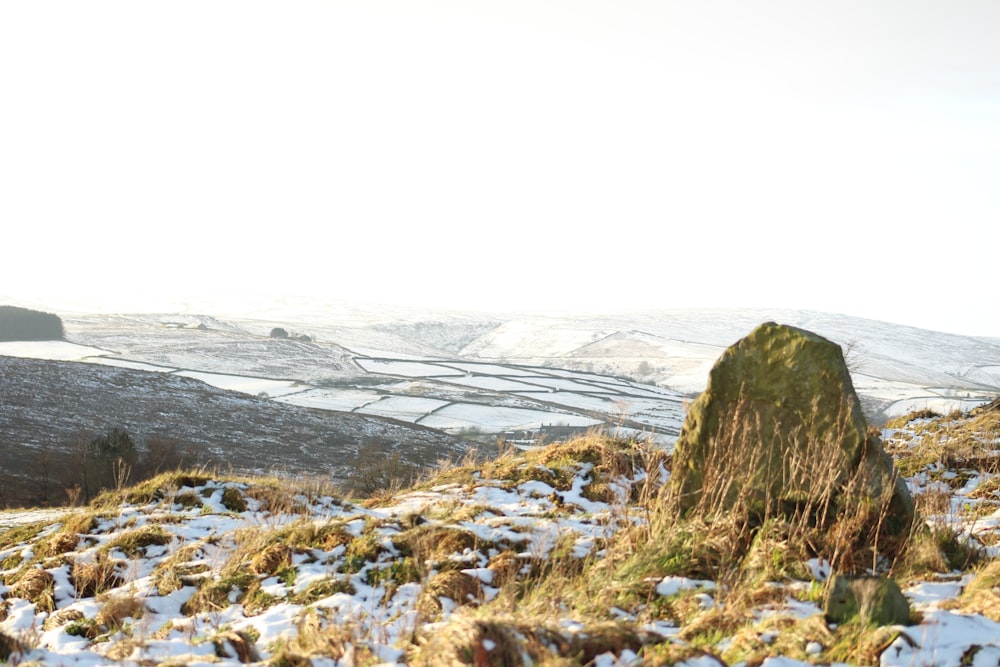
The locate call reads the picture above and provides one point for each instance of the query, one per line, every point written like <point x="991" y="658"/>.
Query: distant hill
<point x="895" y="367"/>
<point x="18" y="323"/>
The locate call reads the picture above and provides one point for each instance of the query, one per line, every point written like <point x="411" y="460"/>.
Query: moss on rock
<point x="779" y="428"/>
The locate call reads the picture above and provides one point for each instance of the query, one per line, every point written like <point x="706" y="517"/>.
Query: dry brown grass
<point x="236" y="644"/>
<point x="117" y="609"/>
<point x="175" y="572"/>
<point x="62" y="617"/>
<point x="745" y="550"/>
<point x="453" y="585"/>
<point x="37" y="586"/>
<point x="134" y="542"/>
<point x="101" y="574"/>
<point x="826" y="510"/>
<point x="472" y="641"/>
<point x="432" y="544"/>
<point x="60" y="543"/>
<point x="953" y="442"/>
<point x="982" y="595"/>
<point x="318" y="637"/>
<point x="10" y="648"/>
<point x="505" y="566"/>
<point x="500" y="641"/>
<point x="276" y="496"/>
<point x="271" y="559"/>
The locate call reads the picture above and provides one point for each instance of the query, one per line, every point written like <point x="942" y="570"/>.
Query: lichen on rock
<point x="780" y="428"/>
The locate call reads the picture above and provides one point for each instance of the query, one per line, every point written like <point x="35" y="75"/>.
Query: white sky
<point x="518" y="154"/>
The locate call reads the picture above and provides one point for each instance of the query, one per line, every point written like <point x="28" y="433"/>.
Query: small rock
<point x="875" y="599"/>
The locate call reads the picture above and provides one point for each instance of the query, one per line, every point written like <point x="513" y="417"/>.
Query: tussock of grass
<point x="133" y="542"/>
<point x="857" y="643"/>
<point x="434" y="543"/>
<point x="306" y="533"/>
<point x="476" y="640"/>
<point x="233" y="500"/>
<point x="175" y="572"/>
<point x="459" y="587"/>
<point x="948" y="443"/>
<point x="270" y="559"/>
<point x="906" y="420"/>
<point x="92" y="577"/>
<point x="159" y="487"/>
<point x="318" y="638"/>
<point x="35" y="585"/>
<point x="215" y="594"/>
<point x="236" y="644"/>
<point x="321" y="589"/>
<point x="59" y="543"/>
<point x="116" y="610"/>
<point x="276" y="496"/>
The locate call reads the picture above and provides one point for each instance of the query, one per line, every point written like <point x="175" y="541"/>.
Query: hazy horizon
<point x="289" y="306"/>
<point x="526" y="155"/>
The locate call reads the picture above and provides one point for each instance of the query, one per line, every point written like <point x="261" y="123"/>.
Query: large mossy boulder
<point x="780" y="428"/>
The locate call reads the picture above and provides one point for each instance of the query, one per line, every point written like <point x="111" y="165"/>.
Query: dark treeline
<point x="25" y="324"/>
<point x="76" y="471"/>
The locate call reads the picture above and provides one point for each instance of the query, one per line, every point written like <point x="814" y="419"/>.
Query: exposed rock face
<point x="780" y="426"/>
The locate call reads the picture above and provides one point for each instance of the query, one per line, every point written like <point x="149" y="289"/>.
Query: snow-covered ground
<point x="187" y="572"/>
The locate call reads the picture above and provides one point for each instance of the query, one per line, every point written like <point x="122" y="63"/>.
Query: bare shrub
<point x="375" y="471"/>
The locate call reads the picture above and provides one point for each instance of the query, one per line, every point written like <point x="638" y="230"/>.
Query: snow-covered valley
<point x="486" y="373"/>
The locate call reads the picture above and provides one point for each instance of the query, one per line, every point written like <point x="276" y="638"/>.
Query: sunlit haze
<point x="833" y="156"/>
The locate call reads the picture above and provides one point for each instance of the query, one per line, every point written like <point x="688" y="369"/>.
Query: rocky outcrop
<point x="778" y="428"/>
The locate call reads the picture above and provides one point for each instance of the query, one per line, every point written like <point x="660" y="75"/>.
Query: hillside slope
<point x="52" y="404"/>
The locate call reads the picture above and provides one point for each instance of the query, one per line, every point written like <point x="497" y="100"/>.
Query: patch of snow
<point x="499" y="418"/>
<point x="244" y="384"/>
<point x="669" y="586"/>
<point x="53" y="350"/>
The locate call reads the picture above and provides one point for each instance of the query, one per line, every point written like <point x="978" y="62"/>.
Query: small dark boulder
<point x="874" y="599"/>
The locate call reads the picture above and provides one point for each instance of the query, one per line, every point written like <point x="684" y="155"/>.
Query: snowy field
<point x="487" y="398"/>
<point x="574" y="368"/>
<point x="56" y="350"/>
<point x="494" y="419"/>
<point x="247" y="385"/>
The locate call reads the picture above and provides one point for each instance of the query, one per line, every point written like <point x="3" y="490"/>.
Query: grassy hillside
<point x="567" y="555"/>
